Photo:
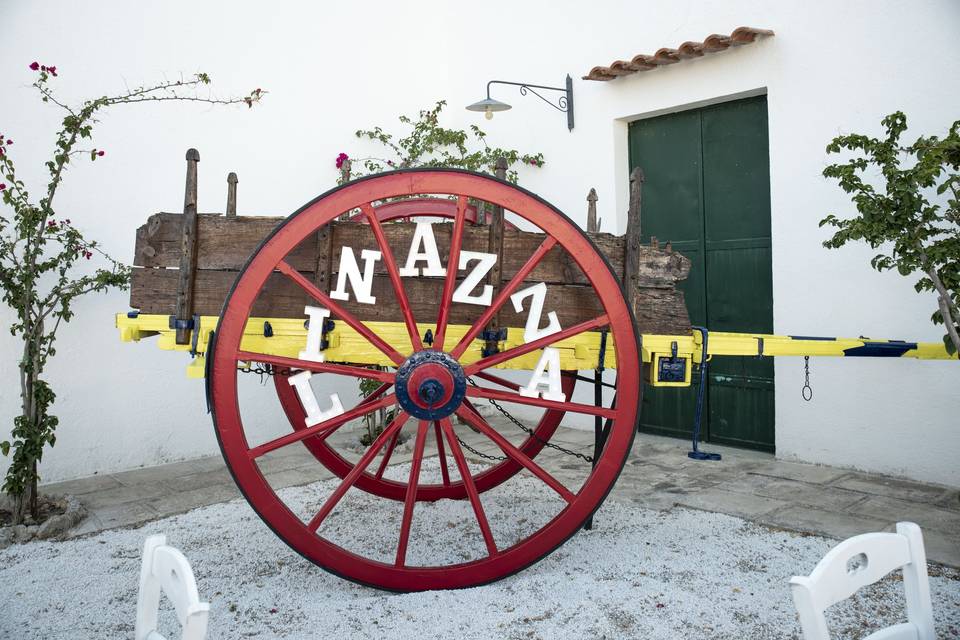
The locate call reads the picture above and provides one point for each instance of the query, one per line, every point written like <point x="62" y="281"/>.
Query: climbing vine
<point x="426" y="143"/>
<point x="44" y="262"/>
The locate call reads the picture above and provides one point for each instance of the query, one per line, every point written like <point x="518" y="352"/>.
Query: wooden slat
<point x="659" y="310"/>
<point x="226" y="244"/>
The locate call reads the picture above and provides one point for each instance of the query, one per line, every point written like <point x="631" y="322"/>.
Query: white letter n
<point x="350" y="270"/>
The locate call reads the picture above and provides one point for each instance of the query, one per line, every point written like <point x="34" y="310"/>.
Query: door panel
<point x="707" y="190"/>
<point x="673" y="187"/>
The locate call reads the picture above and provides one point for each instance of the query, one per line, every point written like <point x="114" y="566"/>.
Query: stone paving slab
<point x="802" y="493"/>
<point x="891" y="487"/>
<point x="823" y="500"/>
<point x="832" y="524"/>
<point x="933" y="517"/>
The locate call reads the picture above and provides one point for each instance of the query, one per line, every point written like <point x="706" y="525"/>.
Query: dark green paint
<point x="707" y="191"/>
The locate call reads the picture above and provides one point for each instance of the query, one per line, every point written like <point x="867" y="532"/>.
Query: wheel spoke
<point x="323" y="429"/>
<point x="444" y="471"/>
<point x="469" y="485"/>
<point x="358" y="469"/>
<point x="316" y="367"/>
<point x="511" y="451"/>
<point x="394" y="273"/>
<point x="520" y="350"/>
<point x="386" y="455"/>
<point x="505" y="396"/>
<point x="411" y="497"/>
<point x="339" y="311"/>
<point x="502" y="296"/>
<point x="503" y="382"/>
<point x="453" y="264"/>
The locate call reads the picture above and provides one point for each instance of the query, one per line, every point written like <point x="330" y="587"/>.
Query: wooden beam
<point x="188" y="249"/>
<point x="631" y="254"/>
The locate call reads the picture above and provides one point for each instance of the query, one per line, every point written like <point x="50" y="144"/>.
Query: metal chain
<point x="806" y="391"/>
<point x="265" y="370"/>
<point x="531" y="433"/>
<point x="478" y="453"/>
<point x="268" y="370"/>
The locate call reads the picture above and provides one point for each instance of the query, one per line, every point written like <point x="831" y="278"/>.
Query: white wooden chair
<point x="166" y="569"/>
<point x="862" y="560"/>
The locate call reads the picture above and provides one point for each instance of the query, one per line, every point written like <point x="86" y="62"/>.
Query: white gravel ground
<point x="639" y="574"/>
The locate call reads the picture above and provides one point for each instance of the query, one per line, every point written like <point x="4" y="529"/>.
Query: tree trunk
<point x="945" y="302"/>
<point x="26" y="502"/>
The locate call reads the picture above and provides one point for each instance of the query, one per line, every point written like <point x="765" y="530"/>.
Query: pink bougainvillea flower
<point x="52" y="70"/>
<point x="341" y="159"/>
<point x="34" y="66"/>
<point x="9" y="141"/>
<point x="2" y="186"/>
<point x="100" y="153"/>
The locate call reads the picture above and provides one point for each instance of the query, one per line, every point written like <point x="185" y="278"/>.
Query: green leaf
<point x="5" y="448"/>
<point x="947" y="342"/>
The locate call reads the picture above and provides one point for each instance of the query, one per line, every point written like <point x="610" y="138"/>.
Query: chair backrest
<point x="862" y="560"/>
<point x="165" y="569"/>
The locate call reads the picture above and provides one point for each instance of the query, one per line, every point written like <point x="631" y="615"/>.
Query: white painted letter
<point x="546" y="383"/>
<point x="533" y="331"/>
<point x="484" y="264"/>
<point x="318" y="315"/>
<point x="423" y="236"/>
<point x="350" y="270"/>
<point x="301" y="382"/>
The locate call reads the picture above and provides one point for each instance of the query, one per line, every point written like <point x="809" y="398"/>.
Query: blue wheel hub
<point x="430" y="385"/>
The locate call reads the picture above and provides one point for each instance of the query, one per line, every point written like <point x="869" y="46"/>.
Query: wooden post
<point x="495" y="246"/>
<point x="324" y="267"/>
<point x="345" y="169"/>
<point x="231" y="195"/>
<point x="631" y="261"/>
<point x="592" y="212"/>
<point x="188" y="249"/>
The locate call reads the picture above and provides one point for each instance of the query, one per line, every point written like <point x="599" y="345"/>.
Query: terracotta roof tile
<point x="687" y="50"/>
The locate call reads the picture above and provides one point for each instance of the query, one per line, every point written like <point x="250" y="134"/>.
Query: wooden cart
<point x="417" y="279"/>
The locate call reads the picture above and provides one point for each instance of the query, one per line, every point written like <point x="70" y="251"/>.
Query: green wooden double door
<point x="707" y="190"/>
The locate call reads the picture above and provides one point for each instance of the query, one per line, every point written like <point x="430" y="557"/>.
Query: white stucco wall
<point x="332" y="68"/>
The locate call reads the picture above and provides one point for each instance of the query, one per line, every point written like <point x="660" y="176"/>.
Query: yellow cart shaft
<point x="671" y="355"/>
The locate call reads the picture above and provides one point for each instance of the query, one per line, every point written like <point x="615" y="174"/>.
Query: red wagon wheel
<point x="427" y="378"/>
<point x="374" y="481"/>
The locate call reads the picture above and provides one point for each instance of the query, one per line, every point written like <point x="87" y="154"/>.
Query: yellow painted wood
<point x="579" y="352"/>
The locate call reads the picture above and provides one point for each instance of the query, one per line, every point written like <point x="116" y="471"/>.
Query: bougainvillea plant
<point x="912" y="213"/>
<point x="428" y="144"/>
<point x="46" y="262"/>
